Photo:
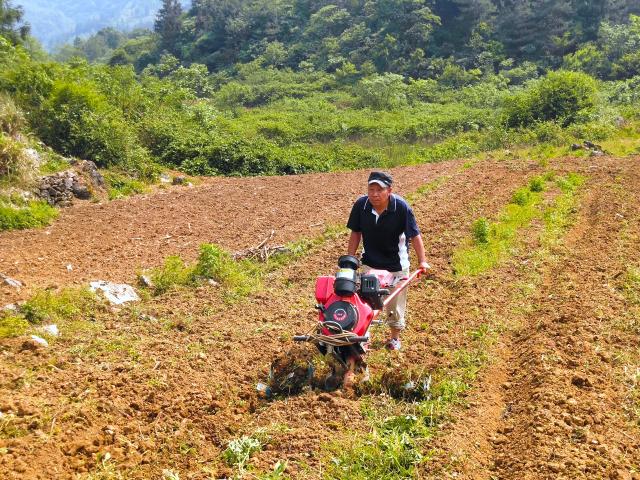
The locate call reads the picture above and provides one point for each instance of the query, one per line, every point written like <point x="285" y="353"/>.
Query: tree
<point x="169" y="25"/>
<point x="11" y="25"/>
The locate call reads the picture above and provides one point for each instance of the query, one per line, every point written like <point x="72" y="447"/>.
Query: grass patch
<point x="239" y="278"/>
<point x="31" y="214"/>
<point x="13" y="326"/>
<point x="120" y="185"/>
<point x="560" y="216"/>
<point x="490" y="243"/>
<point x="66" y="305"/>
<point x="401" y="430"/>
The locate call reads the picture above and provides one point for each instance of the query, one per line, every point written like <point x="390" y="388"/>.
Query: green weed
<point x="31" y="214"/>
<point x="240" y="450"/>
<point x="490" y="243"/>
<point x="68" y="304"/>
<point x="480" y="231"/>
<point x="120" y="185"/>
<point x="13" y="326"/>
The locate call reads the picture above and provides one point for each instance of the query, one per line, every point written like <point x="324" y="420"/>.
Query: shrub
<point x="382" y="91"/>
<point x="78" y="121"/>
<point x="560" y="96"/>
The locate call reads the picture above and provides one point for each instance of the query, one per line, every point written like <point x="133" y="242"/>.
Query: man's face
<point x="378" y="196"/>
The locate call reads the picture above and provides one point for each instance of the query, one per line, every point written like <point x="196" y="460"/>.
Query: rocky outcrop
<point x="83" y="181"/>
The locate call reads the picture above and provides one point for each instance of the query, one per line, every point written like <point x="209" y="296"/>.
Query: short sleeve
<point x="411" y="226"/>
<point x="354" y="223"/>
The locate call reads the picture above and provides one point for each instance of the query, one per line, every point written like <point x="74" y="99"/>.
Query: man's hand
<point x="425" y="267"/>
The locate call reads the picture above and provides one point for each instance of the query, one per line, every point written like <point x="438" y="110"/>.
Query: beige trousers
<point x="396" y="309"/>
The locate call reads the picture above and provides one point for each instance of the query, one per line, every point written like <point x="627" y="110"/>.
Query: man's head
<point x="379" y="189"/>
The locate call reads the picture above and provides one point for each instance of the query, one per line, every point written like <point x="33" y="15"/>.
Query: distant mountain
<point x="55" y="22"/>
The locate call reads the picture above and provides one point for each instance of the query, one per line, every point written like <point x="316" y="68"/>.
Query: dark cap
<point x="381" y="178"/>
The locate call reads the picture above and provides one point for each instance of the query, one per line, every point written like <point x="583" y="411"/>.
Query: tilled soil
<point x="112" y="241"/>
<point x="168" y="384"/>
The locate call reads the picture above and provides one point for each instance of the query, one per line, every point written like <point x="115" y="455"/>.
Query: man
<point x="386" y="225"/>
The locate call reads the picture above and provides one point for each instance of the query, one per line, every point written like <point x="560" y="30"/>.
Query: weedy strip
<point x="493" y="242"/>
<point x="401" y="428"/>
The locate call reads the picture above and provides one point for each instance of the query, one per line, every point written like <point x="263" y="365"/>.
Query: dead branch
<point x="262" y="251"/>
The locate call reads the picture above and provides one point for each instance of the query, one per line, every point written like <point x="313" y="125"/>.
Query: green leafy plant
<point x="480" y="231"/>
<point x="240" y="450"/>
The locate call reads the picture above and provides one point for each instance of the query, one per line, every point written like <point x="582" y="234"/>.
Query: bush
<point x="382" y="91"/>
<point x="77" y="120"/>
<point x="559" y="96"/>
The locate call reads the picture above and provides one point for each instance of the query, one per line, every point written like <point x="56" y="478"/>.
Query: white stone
<point x="51" y="330"/>
<point x="116" y="293"/>
<point x="40" y="340"/>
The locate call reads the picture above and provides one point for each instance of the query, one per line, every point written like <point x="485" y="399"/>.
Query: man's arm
<point x="354" y="241"/>
<point x="418" y="246"/>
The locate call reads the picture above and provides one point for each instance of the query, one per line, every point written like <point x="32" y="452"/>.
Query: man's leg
<point x="396" y="309"/>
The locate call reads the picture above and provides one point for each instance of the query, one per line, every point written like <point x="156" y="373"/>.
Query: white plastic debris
<point x="51" y="330"/>
<point x="69" y="267"/>
<point x="12" y="307"/>
<point x="164" y="178"/>
<point x="40" y="340"/>
<point x="116" y="293"/>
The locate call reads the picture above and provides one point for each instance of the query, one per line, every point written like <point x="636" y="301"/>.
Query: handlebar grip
<point x="358" y="339"/>
<point x="301" y="338"/>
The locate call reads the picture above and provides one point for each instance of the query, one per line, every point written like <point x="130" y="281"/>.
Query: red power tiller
<point x="348" y="304"/>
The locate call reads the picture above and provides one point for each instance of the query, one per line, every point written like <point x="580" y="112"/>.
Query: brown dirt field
<point x="112" y="241"/>
<point x="169" y="392"/>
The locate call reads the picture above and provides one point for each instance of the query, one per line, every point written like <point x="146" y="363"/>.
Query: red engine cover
<point x="365" y="312"/>
<point x="324" y="288"/>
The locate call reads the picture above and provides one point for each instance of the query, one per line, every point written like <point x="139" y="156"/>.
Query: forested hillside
<point x="55" y="22"/>
<point x="418" y="38"/>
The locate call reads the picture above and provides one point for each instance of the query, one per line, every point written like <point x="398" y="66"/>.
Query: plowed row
<point x="168" y="384"/>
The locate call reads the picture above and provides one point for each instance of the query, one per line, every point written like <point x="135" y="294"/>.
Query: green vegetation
<point x="239" y="451"/>
<point x="66" y="305"/>
<point x="12" y="326"/>
<point x="482" y="255"/>
<point x="316" y="100"/>
<point x="20" y="214"/>
<point x="492" y="242"/>
<point x="558" y="217"/>
<point x="401" y="429"/>
<point x="239" y="278"/>
<point x="71" y="307"/>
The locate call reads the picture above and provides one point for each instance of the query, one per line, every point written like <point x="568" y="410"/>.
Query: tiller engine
<point x="348" y="304"/>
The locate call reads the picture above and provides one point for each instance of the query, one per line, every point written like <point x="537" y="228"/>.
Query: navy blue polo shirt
<point x="385" y="237"/>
